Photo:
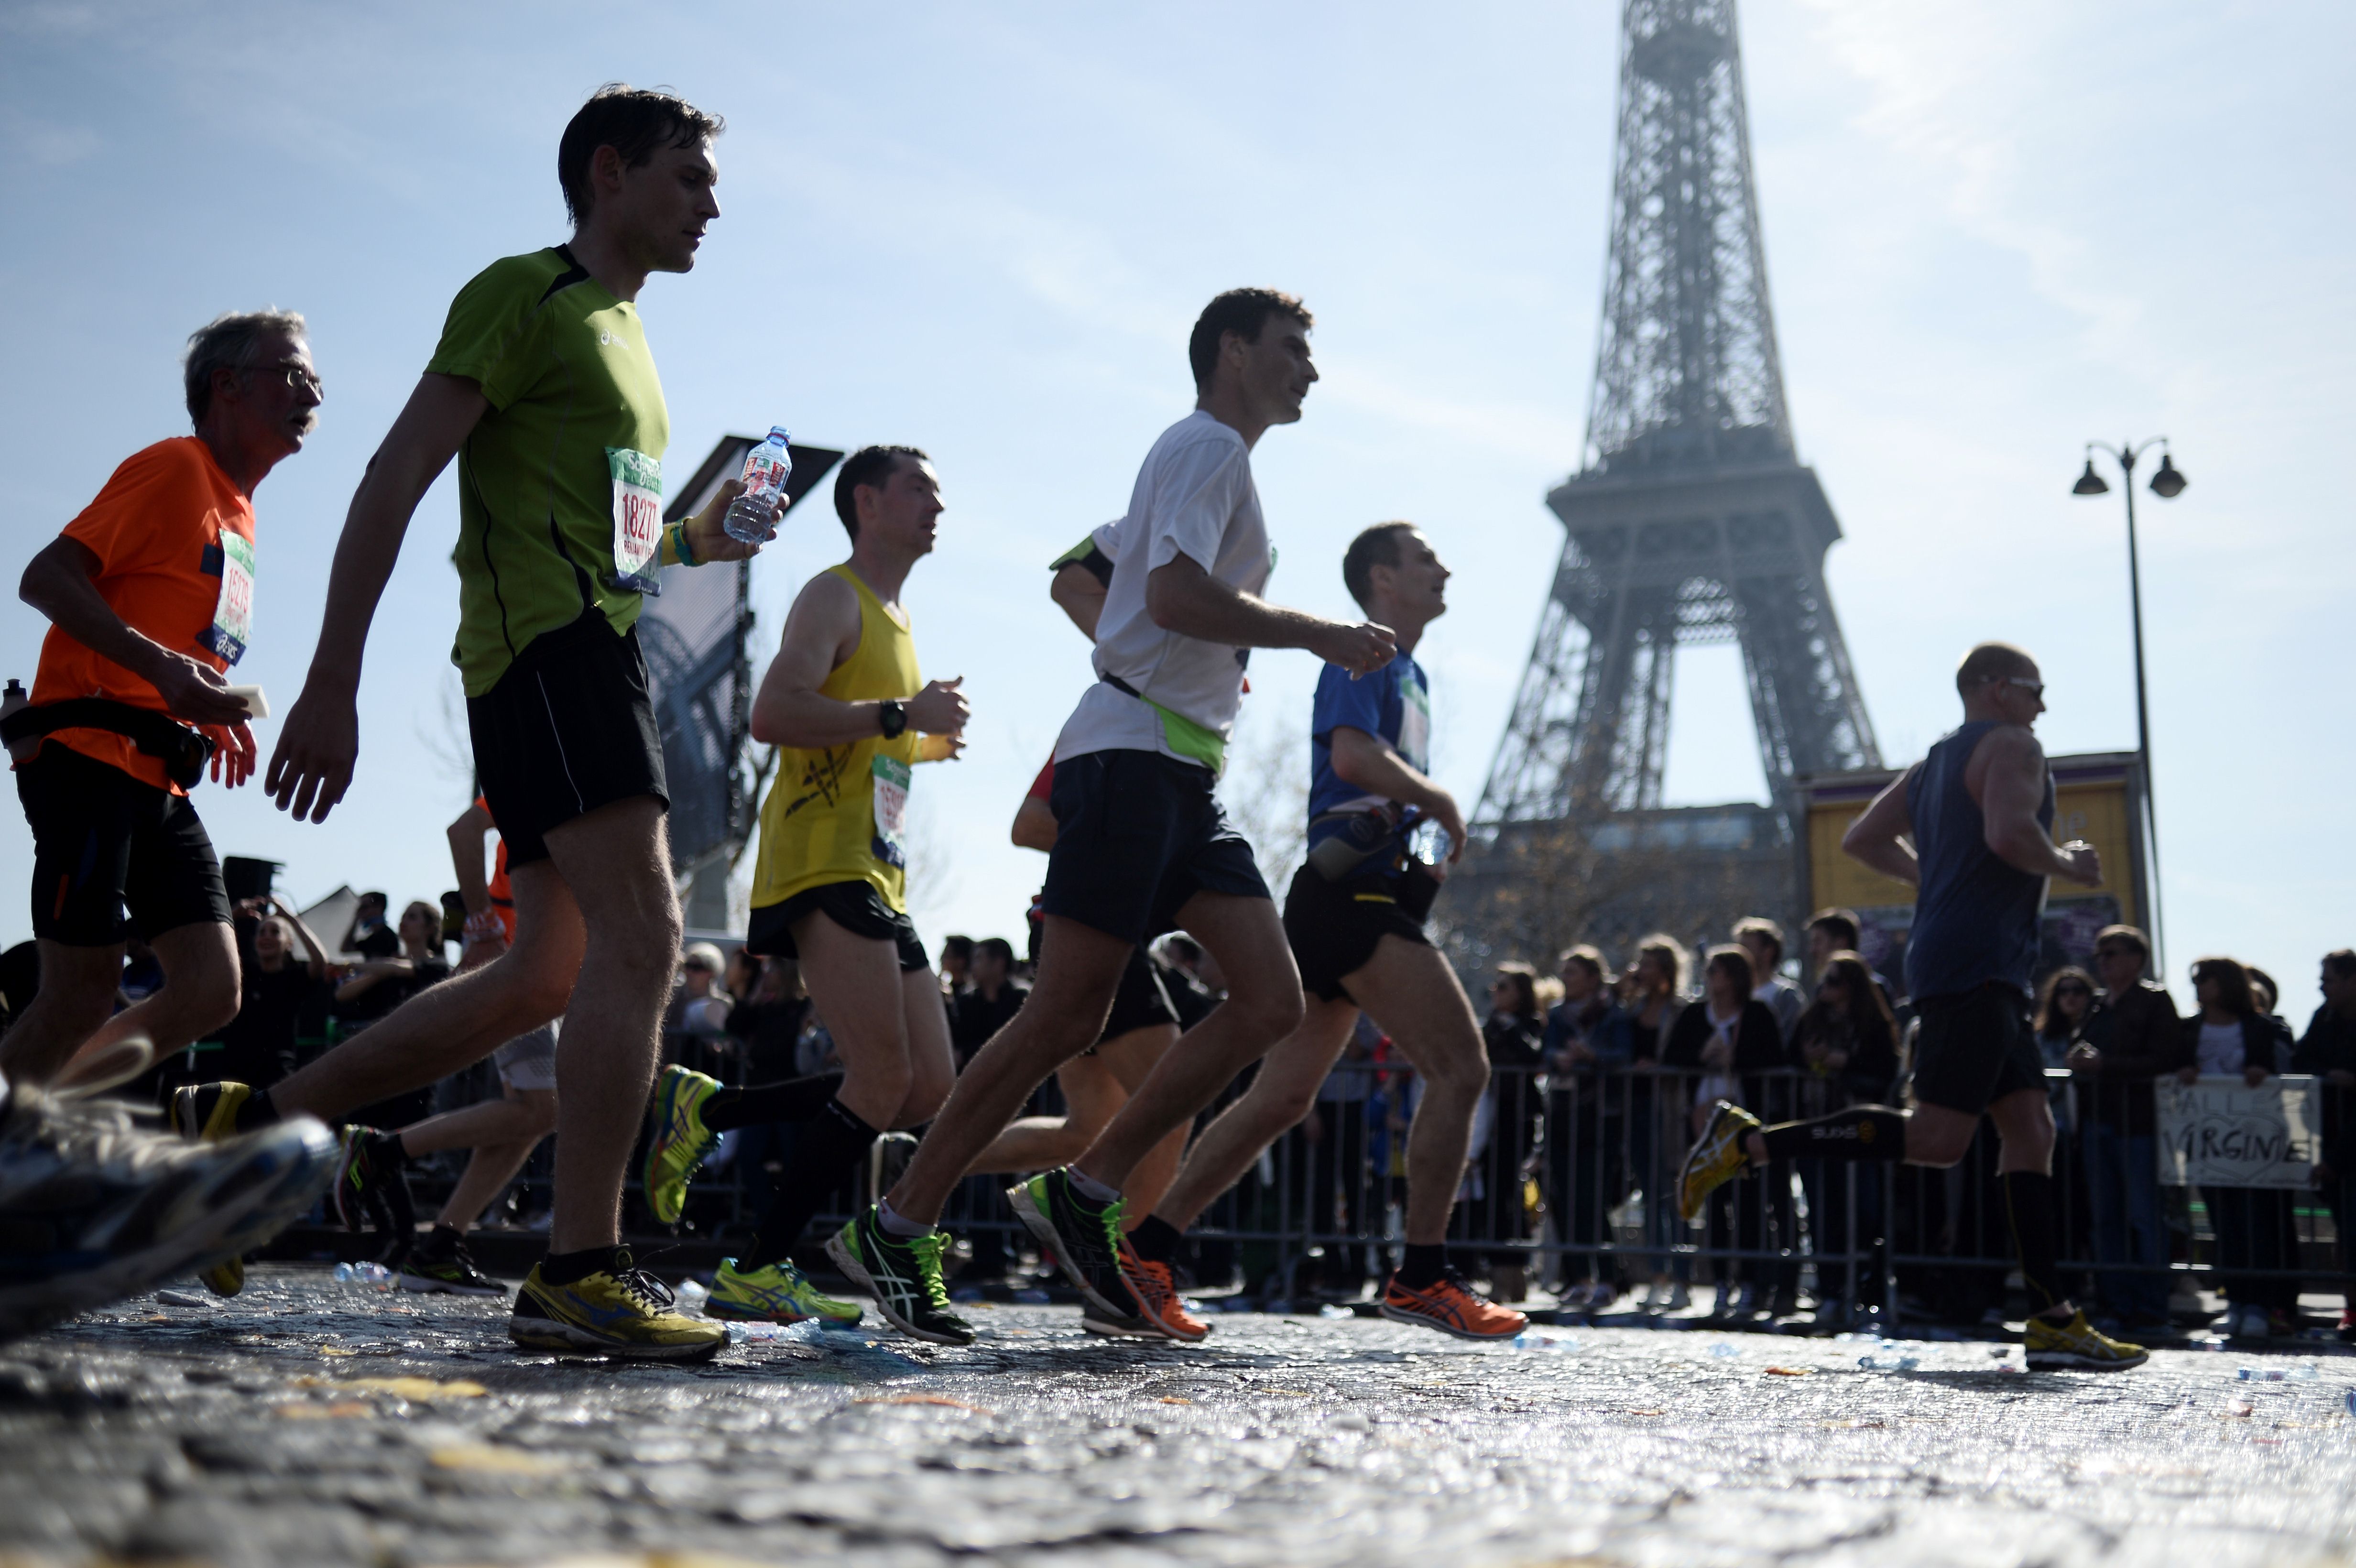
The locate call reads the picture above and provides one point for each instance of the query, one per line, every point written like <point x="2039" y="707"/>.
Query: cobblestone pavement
<point x="307" y="1422"/>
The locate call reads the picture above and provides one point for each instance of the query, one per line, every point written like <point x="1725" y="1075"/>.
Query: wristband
<point x="894" y="716"/>
<point x="679" y="543"/>
<point x="484" y="927"/>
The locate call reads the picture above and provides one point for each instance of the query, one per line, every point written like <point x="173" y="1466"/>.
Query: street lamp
<point x="2168" y="483"/>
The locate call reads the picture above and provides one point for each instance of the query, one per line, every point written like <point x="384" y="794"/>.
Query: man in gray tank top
<point x="1970" y="826"/>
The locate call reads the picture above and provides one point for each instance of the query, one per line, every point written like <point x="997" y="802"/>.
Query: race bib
<point x="232" y="625"/>
<point x="892" y="777"/>
<point x="1415" y="725"/>
<point x="637" y="518"/>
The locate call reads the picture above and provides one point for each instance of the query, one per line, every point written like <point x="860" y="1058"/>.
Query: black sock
<point x="826" y="1151"/>
<point x="257" y="1112"/>
<point x="2029" y="1203"/>
<point x="793" y="1100"/>
<point x="563" y="1268"/>
<point x="1423" y="1266"/>
<point x="1861" y="1132"/>
<point x="1156" y="1238"/>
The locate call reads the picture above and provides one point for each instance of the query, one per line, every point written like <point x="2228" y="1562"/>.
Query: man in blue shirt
<point x="1355" y="919"/>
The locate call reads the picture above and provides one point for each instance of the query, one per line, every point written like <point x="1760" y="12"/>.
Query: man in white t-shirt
<point x="1142" y="846"/>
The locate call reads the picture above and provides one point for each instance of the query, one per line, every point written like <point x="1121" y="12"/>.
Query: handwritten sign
<point x="2218" y="1132"/>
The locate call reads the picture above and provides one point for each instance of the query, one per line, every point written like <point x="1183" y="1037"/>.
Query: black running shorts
<point x="569" y="727"/>
<point x="1140" y="1003"/>
<point x="1334" y="927"/>
<point x="102" y="840"/>
<point x="856" y="907"/>
<point x="1973" y="1048"/>
<point x="1137" y="835"/>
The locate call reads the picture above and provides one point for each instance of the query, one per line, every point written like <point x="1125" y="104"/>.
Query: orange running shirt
<point x="501" y="891"/>
<point x="157" y="529"/>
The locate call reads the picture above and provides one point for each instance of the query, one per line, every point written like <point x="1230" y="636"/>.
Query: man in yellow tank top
<point x="850" y="716"/>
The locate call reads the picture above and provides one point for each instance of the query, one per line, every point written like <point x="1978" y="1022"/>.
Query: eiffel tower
<point x="1691" y="521"/>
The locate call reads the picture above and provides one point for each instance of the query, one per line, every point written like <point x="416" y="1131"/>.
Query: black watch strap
<point x="895" y="714"/>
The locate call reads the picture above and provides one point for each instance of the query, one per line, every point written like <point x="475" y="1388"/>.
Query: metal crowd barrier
<point x="1571" y="1179"/>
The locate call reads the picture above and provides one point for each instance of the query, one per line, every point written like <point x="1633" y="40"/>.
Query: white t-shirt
<point x="1194" y="497"/>
<point x="2221" y="1049"/>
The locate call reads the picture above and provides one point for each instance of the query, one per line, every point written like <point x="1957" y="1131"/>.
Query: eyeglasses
<point x="2035" y="689"/>
<point x="297" y="378"/>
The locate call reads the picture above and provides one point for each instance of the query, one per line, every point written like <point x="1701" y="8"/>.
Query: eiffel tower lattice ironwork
<point x="1691" y="519"/>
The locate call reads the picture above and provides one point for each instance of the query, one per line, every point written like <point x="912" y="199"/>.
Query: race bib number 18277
<point x="637" y="518"/>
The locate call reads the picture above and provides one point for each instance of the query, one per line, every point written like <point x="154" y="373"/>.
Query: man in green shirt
<point x="543" y="390"/>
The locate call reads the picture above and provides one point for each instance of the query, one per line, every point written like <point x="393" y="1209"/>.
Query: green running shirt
<point x="572" y="445"/>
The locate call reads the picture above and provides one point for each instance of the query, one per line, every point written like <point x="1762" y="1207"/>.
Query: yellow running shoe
<point x="1716" y="1158"/>
<point x="680" y="1140"/>
<point x="621" y="1311"/>
<point x="774" y="1293"/>
<point x="2048" y="1346"/>
<point x="207" y="1113"/>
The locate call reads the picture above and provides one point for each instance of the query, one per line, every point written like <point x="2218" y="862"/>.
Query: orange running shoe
<point x="1157" y="1292"/>
<point x="1453" y="1307"/>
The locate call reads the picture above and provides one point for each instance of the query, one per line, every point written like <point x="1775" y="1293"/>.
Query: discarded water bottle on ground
<point x="1887" y="1363"/>
<point x="370" y="1275"/>
<point x="766" y="468"/>
<point x="1554" y="1343"/>
<point x="691" y="1294"/>
<point x="1724" y="1353"/>
<point x="1336" y="1311"/>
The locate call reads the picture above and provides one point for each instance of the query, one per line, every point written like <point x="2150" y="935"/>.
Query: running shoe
<point x="1157" y="1292"/>
<point x="774" y="1293"/>
<point x="2048" y="1346"/>
<point x="1085" y="1238"/>
<point x="363" y="1175"/>
<point x="207" y="1113"/>
<point x="680" y="1140"/>
<point x="621" y="1311"/>
<point x="903" y="1275"/>
<point x="92" y="1208"/>
<point x="1716" y="1159"/>
<point x="1453" y="1307"/>
<point x="441" y="1263"/>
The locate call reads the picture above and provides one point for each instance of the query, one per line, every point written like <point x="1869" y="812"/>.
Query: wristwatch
<point x="895" y="714"/>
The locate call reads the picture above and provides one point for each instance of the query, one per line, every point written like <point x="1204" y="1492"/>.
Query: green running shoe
<point x="680" y="1140"/>
<point x="774" y="1293"/>
<point x="1085" y="1238"/>
<point x="904" y="1275"/>
<point x="207" y="1113"/>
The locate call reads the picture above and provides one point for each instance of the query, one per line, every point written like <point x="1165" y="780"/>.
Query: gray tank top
<point x="1976" y="918"/>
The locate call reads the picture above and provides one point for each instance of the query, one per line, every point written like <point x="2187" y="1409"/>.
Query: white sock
<point x="894" y="1226"/>
<point x="1089" y="1187"/>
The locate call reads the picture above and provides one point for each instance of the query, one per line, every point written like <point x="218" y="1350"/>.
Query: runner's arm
<point x="1369" y="763"/>
<point x="1034" y="824"/>
<point x="57" y="582"/>
<point x="821" y="632"/>
<point x="319" y="744"/>
<point x="318" y="949"/>
<point x="1078" y="594"/>
<point x="1879" y="837"/>
<point x="2011" y="791"/>
<point x="1181" y="597"/>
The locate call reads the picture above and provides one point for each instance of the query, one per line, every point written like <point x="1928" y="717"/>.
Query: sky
<point x="1995" y="230"/>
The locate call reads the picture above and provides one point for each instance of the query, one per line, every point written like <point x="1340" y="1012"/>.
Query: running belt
<point x="183" y="752"/>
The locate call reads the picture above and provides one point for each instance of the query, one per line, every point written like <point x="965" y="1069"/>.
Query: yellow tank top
<point x="835" y="815"/>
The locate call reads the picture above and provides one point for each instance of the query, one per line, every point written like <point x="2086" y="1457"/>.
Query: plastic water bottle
<point x="1887" y="1363"/>
<point x="691" y="1296"/>
<point x="766" y="468"/>
<point x="367" y="1276"/>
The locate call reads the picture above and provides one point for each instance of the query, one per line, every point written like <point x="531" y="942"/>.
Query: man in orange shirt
<point x="149" y="594"/>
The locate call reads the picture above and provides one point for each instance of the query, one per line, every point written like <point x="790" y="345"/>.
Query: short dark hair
<point x="1734" y="963"/>
<point x="1989" y="662"/>
<point x="996" y="947"/>
<point x="870" y="465"/>
<point x="1842" y="924"/>
<point x="957" y="946"/>
<point x="1374" y="547"/>
<point x="1587" y="957"/>
<point x="1242" y="312"/>
<point x="636" y="121"/>
<point x="2341" y="961"/>
<point x="2126" y="934"/>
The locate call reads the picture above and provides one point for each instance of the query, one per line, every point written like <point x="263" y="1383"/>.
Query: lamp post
<point x="2167" y="483"/>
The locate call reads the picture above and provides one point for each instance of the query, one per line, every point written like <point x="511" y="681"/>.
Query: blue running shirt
<point x="1393" y="704"/>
